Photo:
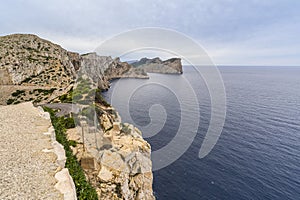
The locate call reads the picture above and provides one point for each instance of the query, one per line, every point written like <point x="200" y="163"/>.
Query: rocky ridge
<point x="156" y="65"/>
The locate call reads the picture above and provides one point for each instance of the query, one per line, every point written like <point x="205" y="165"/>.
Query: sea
<point x="257" y="155"/>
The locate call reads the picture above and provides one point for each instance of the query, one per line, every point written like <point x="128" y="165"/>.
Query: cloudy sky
<point x="233" y="32"/>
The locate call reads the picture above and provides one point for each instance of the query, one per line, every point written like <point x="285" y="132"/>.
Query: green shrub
<point x="17" y="93"/>
<point x="89" y="112"/>
<point x="37" y="100"/>
<point x="72" y="143"/>
<point x="84" y="189"/>
<point x="9" y="101"/>
<point x="77" y="96"/>
<point x="17" y="102"/>
<point x="67" y="98"/>
<point x="99" y="98"/>
<point x="126" y="129"/>
<point x="69" y="123"/>
<point x="46" y="92"/>
<point x="27" y="80"/>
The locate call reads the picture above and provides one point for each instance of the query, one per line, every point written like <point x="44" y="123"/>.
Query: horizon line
<point x="246" y="65"/>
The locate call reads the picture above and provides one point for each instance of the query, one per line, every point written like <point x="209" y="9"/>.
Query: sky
<point x="233" y="32"/>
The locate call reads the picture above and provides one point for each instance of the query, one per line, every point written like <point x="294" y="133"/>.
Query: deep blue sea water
<point x="258" y="153"/>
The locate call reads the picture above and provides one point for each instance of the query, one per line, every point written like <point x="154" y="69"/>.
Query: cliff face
<point x="156" y="65"/>
<point x="117" y="160"/>
<point x="121" y="160"/>
<point x="102" y="69"/>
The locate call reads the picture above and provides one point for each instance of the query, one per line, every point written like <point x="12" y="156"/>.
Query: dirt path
<point x="26" y="171"/>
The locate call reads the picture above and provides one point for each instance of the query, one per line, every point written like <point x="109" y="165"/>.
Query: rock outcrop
<point x="156" y="65"/>
<point x="102" y="69"/>
<point x="115" y="156"/>
<point x="118" y="161"/>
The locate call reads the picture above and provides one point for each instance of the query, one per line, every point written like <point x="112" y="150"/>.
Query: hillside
<point x="29" y="60"/>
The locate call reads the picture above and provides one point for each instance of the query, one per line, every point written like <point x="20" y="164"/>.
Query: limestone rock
<point x="106" y="122"/>
<point x="65" y="184"/>
<point x="105" y="174"/>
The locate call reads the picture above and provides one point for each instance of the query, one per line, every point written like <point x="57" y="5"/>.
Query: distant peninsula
<point x="156" y="65"/>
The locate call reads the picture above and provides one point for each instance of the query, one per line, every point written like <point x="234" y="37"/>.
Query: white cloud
<point x="233" y="32"/>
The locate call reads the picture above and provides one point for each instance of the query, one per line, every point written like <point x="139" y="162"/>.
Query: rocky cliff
<point x="102" y="69"/>
<point x="156" y="65"/>
<point x="32" y="69"/>
<point x="41" y="71"/>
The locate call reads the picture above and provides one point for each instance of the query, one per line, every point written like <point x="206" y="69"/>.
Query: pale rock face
<point x="106" y="122"/>
<point x="105" y="175"/>
<point x="116" y="126"/>
<point x="94" y="66"/>
<point x="129" y="162"/>
<point x="65" y="184"/>
<point x="114" y="161"/>
<point x="43" y="70"/>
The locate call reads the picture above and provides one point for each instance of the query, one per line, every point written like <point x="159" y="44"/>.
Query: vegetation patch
<point x="99" y="98"/>
<point x="67" y="98"/>
<point x="17" y="93"/>
<point x="46" y="92"/>
<point x="9" y="101"/>
<point x="84" y="189"/>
